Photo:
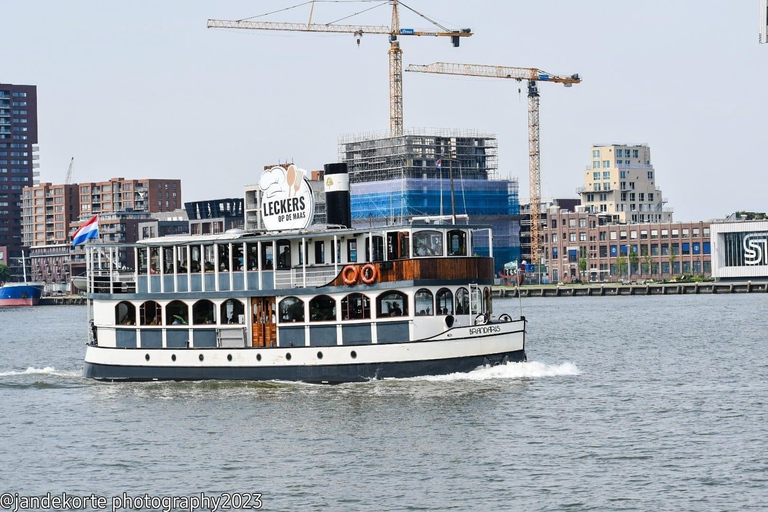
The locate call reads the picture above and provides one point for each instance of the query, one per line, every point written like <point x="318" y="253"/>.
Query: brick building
<point x="589" y="247"/>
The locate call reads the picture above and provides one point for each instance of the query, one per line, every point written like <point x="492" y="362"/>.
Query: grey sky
<point x="143" y="89"/>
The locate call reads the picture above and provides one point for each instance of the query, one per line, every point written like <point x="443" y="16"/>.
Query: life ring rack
<point x="349" y="274"/>
<point x="369" y="273"/>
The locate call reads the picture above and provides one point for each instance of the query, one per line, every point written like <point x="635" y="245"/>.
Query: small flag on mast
<point x="87" y="231"/>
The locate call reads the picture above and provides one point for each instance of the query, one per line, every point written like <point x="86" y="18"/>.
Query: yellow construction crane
<point x="68" y="180"/>
<point x="395" y="53"/>
<point x="532" y="75"/>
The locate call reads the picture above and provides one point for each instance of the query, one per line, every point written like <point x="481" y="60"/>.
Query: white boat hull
<point x="460" y="349"/>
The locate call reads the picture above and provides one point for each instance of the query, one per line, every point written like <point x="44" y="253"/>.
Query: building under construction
<point x="394" y="179"/>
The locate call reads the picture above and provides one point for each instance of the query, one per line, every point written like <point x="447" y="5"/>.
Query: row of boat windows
<point x="357" y="306"/>
<point x="176" y="312"/>
<point x="204" y="258"/>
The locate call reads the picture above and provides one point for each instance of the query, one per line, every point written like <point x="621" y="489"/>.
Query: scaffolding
<point x="375" y="156"/>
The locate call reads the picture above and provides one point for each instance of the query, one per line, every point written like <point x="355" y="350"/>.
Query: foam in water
<point x="48" y="370"/>
<point x="529" y="370"/>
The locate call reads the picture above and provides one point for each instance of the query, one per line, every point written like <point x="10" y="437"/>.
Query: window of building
<point x="595" y="164"/>
<point x="596" y="175"/>
<point x="650" y="175"/>
<point x="633" y="235"/>
<point x="675" y="233"/>
<point x="355" y="306"/>
<point x="595" y="153"/>
<point x="582" y="237"/>
<point x="686" y="233"/>
<point x="606" y="164"/>
<point x="572" y="237"/>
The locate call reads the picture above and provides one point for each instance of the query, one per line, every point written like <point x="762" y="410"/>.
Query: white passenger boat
<point x="325" y="304"/>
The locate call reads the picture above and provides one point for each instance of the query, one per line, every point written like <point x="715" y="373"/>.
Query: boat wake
<point x="529" y="370"/>
<point x="48" y="370"/>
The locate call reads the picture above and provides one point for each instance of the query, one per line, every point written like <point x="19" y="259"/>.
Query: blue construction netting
<point x="393" y="199"/>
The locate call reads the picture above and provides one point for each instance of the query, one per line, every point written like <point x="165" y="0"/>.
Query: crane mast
<point x="532" y="75"/>
<point x="395" y="52"/>
<point x="68" y="180"/>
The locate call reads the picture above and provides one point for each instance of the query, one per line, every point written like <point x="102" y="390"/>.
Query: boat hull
<point x="330" y="374"/>
<point x="20" y="294"/>
<point x="335" y="364"/>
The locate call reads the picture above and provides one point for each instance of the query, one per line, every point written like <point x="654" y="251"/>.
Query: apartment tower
<point x="18" y="155"/>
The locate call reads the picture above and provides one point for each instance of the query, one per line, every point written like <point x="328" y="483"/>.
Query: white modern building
<point x="740" y="249"/>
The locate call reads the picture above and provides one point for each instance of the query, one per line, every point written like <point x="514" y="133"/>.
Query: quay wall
<point x="636" y="289"/>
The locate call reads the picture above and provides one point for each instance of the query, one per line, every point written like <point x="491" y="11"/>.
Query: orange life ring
<point x="368" y="279"/>
<point x="347" y="277"/>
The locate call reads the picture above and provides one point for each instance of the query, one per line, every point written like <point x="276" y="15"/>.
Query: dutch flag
<point x="87" y="231"/>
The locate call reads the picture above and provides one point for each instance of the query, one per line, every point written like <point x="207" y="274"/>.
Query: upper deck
<point x="298" y="262"/>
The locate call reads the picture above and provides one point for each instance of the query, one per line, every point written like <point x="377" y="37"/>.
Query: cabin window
<point x="267" y="260"/>
<point x="204" y="312"/>
<point x="291" y="310"/>
<point x="462" y="301"/>
<point x="182" y="262"/>
<point x="423" y="303"/>
<point x="142" y="260"/>
<point x="404" y="245"/>
<point x="210" y="258"/>
<point x="457" y="243"/>
<point x="378" y="248"/>
<point x="154" y="260"/>
<point x="223" y="257"/>
<point x="355" y="306"/>
<point x="125" y="314"/>
<point x="319" y="252"/>
<point x="487" y="300"/>
<point x="444" y="302"/>
<point x="397" y="245"/>
<point x="427" y="243"/>
<point x="392" y="304"/>
<point x="168" y="259"/>
<point x="253" y="256"/>
<point x="177" y="313"/>
<point x="196" y="259"/>
<point x="322" y="309"/>
<point x="237" y="257"/>
<point x="283" y="254"/>
<point x="150" y="313"/>
<point x="477" y="300"/>
<point x="232" y="312"/>
<point x="352" y="250"/>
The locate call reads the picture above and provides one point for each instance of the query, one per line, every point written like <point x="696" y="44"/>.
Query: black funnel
<point x="337" y="205"/>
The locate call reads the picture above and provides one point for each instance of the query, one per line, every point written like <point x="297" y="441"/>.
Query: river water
<point x="626" y="403"/>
